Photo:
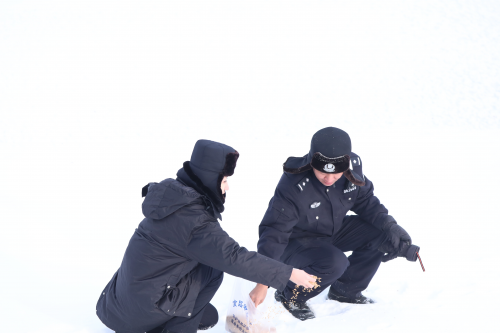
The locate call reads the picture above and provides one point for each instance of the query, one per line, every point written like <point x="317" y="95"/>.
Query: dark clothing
<point x="160" y="276"/>
<point x="303" y="210"/>
<point x="303" y="207"/>
<point x="324" y="257"/>
<point x="330" y="152"/>
<point x="210" y="318"/>
<point x="210" y="281"/>
<point x="211" y="161"/>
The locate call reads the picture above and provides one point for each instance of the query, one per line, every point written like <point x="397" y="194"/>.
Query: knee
<point x="209" y="318"/>
<point x="332" y="261"/>
<point x="341" y="263"/>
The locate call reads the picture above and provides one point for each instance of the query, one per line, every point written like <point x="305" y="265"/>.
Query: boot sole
<point x="343" y="299"/>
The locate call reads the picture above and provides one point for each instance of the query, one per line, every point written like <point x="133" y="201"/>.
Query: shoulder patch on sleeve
<point x="355" y="161"/>
<point x="303" y="183"/>
<point x="355" y="164"/>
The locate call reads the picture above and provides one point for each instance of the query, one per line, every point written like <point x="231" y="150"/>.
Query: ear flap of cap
<point x="301" y="162"/>
<point x="230" y="164"/>
<point x="298" y="170"/>
<point x="353" y="178"/>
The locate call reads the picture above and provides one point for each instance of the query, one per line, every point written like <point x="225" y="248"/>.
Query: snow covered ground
<point x="99" y="98"/>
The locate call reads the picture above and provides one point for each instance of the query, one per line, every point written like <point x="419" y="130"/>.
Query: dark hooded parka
<point x="158" y="277"/>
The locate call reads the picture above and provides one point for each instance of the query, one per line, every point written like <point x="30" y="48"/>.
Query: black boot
<point x="209" y="319"/>
<point x="298" y="310"/>
<point x="337" y="294"/>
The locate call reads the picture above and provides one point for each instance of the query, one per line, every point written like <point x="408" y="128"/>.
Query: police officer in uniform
<point x="306" y="226"/>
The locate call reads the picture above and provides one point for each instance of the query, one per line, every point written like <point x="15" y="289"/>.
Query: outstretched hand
<point x="299" y="277"/>
<point x="302" y="278"/>
<point x="258" y="294"/>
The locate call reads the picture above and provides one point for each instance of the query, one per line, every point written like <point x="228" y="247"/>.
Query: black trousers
<point x="324" y="257"/>
<point x="211" y="281"/>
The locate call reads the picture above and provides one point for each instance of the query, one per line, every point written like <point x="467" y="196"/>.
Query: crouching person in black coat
<point x="175" y="260"/>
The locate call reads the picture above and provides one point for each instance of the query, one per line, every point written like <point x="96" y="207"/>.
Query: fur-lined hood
<point x="210" y="163"/>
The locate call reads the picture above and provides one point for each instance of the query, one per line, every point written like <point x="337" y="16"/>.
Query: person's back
<point x="174" y="261"/>
<point x="155" y="258"/>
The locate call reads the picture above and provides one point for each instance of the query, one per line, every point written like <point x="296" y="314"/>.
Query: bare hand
<point x="258" y="294"/>
<point x="301" y="278"/>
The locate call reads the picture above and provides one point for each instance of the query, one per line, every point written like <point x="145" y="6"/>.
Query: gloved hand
<point x="405" y="250"/>
<point x="397" y="238"/>
<point x="396" y="234"/>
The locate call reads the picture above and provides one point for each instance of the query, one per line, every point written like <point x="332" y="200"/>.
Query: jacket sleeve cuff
<point x="287" y="273"/>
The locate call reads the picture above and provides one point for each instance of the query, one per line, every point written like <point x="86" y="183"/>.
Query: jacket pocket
<point x="168" y="302"/>
<point x="172" y="281"/>
<point x="281" y="211"/>
<point x="348" y="201"/>
<point x="320" y="220"/>
<point x="312" y="221"/>
<point x="167" y="296"/>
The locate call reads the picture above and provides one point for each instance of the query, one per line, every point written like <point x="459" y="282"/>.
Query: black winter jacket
<point x="156" y="277"/>
<point x="303" y="207"/>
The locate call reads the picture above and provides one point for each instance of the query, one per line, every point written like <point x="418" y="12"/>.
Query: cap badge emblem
<point x="329" y="167"/>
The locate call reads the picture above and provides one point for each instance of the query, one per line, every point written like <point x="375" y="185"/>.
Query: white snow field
<point x="98" y="98"/>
